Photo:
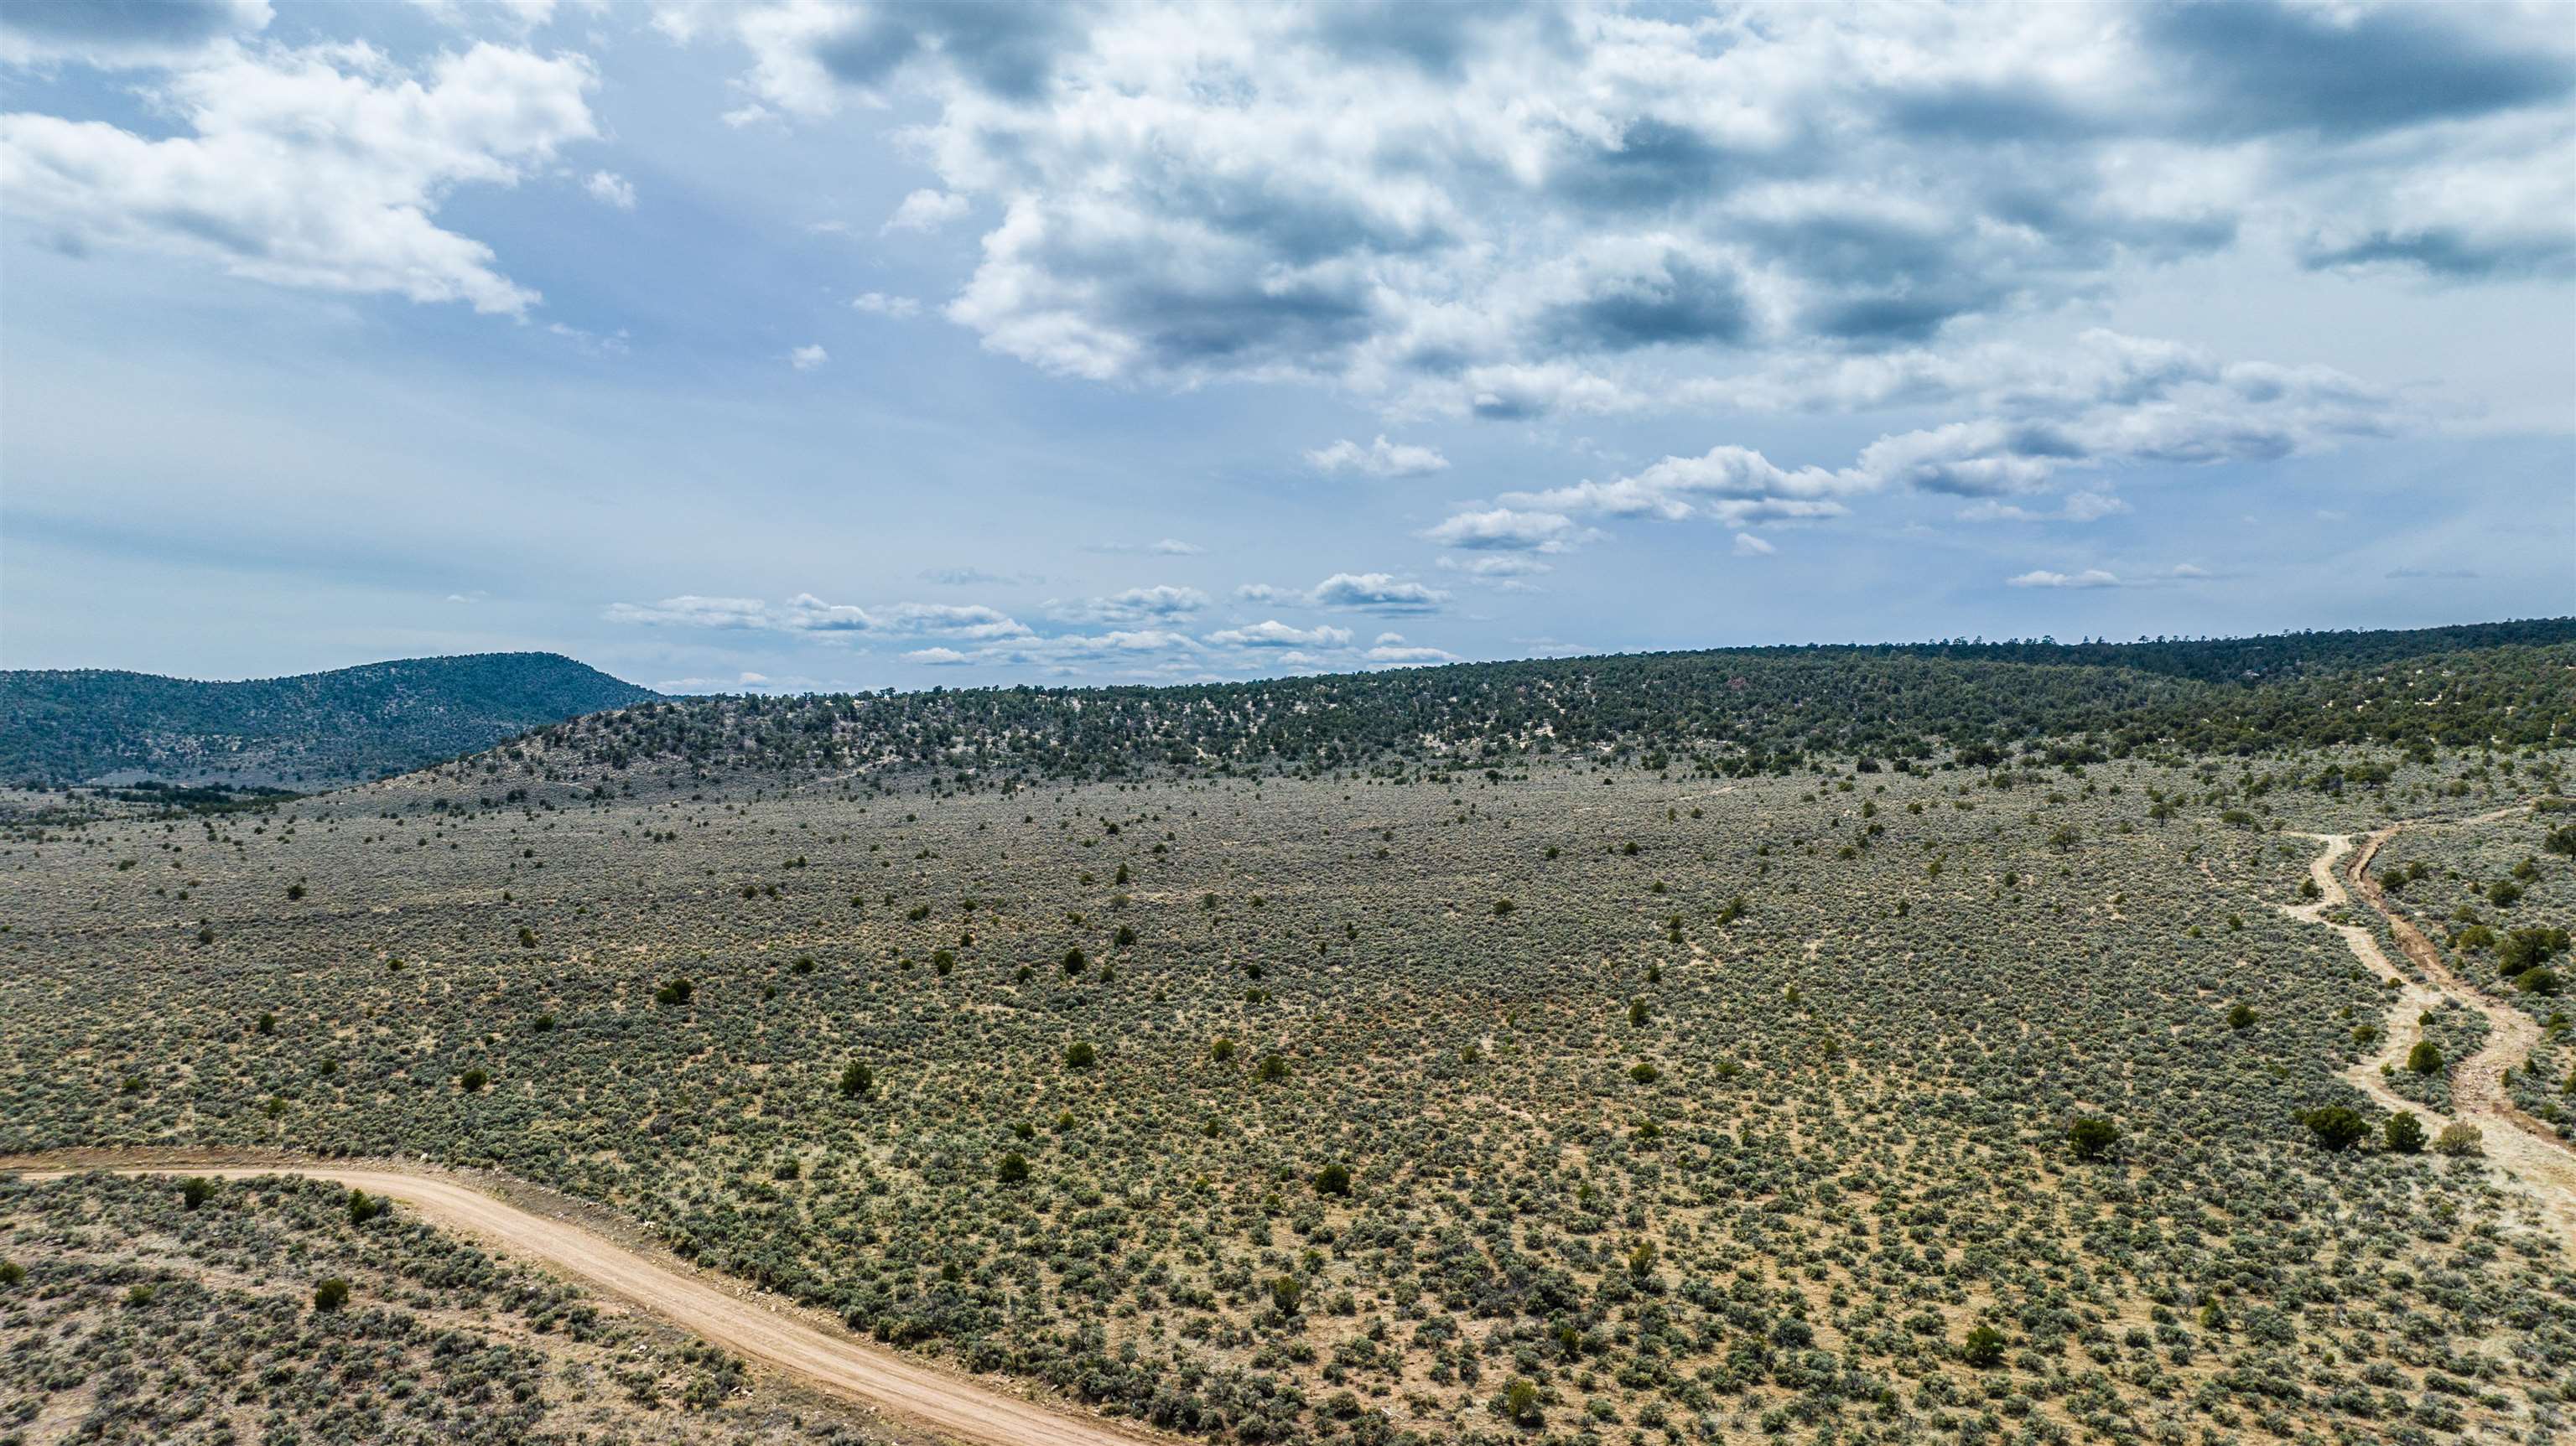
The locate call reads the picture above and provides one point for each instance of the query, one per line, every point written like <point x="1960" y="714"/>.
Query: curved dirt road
<point x="2515" y="1142"/>
<point x="773" y="1335"/>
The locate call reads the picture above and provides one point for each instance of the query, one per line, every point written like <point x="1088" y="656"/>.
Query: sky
<point x="779" y="345"/>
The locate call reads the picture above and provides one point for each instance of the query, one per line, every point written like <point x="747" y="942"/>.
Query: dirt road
<point x="2518" y="1144"/>
<point x="763" y="1331"/>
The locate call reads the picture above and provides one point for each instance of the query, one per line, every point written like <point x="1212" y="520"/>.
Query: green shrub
<point x="2404" y="1133"/>
<point x="2336" y="1127"/>
<point x="331" y="1294"/>
<point x="2092" y="1137"/>
<point x="1080" y="1054"/>
<point x="2425" y="1057"/>
<point x="1013" y="1169"/>
<point x="1984" y="1347"/>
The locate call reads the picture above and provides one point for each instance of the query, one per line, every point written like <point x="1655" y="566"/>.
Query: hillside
<point x="1733" y="711"/>
<point x="310" y="731"/>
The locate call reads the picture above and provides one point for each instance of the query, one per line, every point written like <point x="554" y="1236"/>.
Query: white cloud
<point x="1504" y="530"/>
<point x="320" y="167"/>
<point x="938" y="657"/>
<point x="756" y="683"/>
<point x="1380" y="458"/>
<point x="2094" y="577"/>
<point x="1748" y="545"/>
<point x="1160" y="547"/>
<point x="1134" y="605"/>
<point x="1276" y="634"/>
<point x="1521" y="210"/>
<point x="808" y="614"/>
<point x="2089" y="577"/>
<point x="926" y="211"/>
<point x="1392" y="651"/>
<point x="806" y="358"/>
<point x="2110" y="402"/>
<point x="2079" y="507"/>
<point x="690" y="610"/>
<point x="878" y="303"/>
<point x="1376" y="592"/>
<point x="611" y="189"/>
<point x="1497" y="565"/>
<point x="1729" y="484"/>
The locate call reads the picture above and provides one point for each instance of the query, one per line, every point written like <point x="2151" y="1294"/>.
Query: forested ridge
<point x="1730" y="710"/>
<point x="314" y="729"/>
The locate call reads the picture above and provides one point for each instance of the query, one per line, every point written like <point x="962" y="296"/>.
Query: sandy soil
<point x="765" y="1332"/>
<point x="2517" y="1144"/>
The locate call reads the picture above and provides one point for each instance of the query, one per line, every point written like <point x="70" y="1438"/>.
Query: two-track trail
<point x="2521" y="1146"/>
<point x="796" y="1343"/>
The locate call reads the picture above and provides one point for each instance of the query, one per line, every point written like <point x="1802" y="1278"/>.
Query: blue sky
<point x="815" y="343"/>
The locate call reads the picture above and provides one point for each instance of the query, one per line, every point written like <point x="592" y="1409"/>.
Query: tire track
<point x="759" y="1328"/>
<point x="2515" y="1142"/>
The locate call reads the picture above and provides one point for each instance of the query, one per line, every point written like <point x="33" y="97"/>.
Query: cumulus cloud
<point x="926" y="211"/>
<point x="1134" y="605"/>
<point x="611" y="189"/>
<point x="2089" y="577"/>
<point x="878" y="303"/>
<point x="2094" y="577"/>
<point x="1276" y="634"/>
<point x="2078" y="507"/>
<point x="1160" y="547"/>
<point x="2110" y="402"/>
<point x="1729" y="484"/>
<point x="1136" y="634"/>
<point x="975" y="577"/>
<point x="806" y="358"/>
<point x="1501" y="529"/>
<point x="1517" y="211"/>
<point x="1497" y="565"/>
<point x="808" y="614"/>
<point x="1391" y="650"/>
<point x="1380" y="458"/>
<point x="320" y="167"/>
<point x="1376" y="592"/>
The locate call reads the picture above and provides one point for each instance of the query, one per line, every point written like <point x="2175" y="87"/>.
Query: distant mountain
<point x="312" y="731"/>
